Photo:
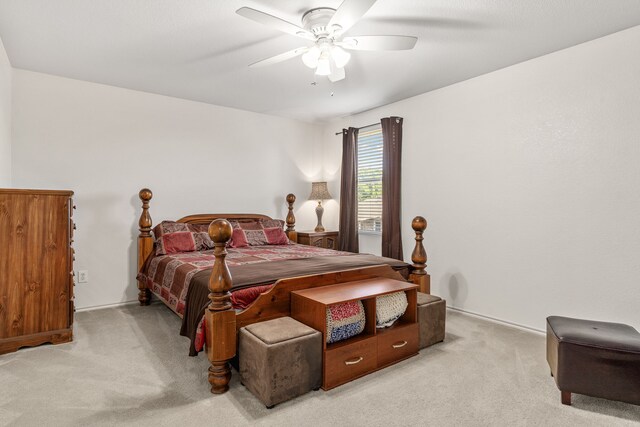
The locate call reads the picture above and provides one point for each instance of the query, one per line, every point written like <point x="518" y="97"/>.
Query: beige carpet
<point x="129" y="366"/>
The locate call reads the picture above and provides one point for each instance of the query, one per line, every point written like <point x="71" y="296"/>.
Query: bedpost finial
<point x="145" y="222"/>
<point x="419" y="274"/>
<point x="291" y="218"/>
<point x="220" y="230"/>
<point x="419" y="224"/>
<point x="419" y="255"/>
<point x="145" y="195"/>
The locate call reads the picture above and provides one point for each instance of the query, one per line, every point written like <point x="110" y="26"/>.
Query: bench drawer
<point x="347" y="362"/>
<point x="397" y="343"/>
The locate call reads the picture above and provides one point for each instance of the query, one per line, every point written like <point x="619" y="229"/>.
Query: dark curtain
<point x="391" y="175"/>
<point x="348" y="234"/>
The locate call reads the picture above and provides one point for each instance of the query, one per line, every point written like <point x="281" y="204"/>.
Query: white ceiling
<point x="200" y="49"/>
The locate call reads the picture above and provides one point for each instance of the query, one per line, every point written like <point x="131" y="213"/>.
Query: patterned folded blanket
<point x="389" y="308"/>
<point x="344" y="321"/>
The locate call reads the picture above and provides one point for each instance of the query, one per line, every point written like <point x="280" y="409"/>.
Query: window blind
<point x="370" y="179"/>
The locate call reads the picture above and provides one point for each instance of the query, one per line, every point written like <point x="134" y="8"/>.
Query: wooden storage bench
<point x="371" y="350"/>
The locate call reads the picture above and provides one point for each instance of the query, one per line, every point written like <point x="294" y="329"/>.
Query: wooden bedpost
<point x="419" y="275"/>
<point x="145" y="243"/>
<point x="291" y="219"/>
<point x="220" y="317"/>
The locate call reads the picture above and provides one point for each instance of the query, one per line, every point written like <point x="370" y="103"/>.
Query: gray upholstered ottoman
<point x="280" y="359"/>
<point x="432" y="313"/>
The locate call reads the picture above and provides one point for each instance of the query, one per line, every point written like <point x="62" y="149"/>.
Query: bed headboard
<point x="207" y="218"/>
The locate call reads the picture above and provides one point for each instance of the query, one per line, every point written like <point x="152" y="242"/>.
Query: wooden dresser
<point x="374" y="348"/>
<point x="321" y="239"/>
<point x="36" y="268"/>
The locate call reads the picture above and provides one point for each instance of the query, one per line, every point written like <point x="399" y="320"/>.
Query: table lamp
<point x="319" y="192"/>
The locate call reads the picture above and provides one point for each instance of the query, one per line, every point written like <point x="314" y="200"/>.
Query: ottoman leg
<point x="565" y="396"/>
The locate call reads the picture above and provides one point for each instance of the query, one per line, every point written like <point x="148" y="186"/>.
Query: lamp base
<point x="319" y="212"/>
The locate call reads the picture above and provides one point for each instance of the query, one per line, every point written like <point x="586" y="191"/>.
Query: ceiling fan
<point x="325" y="27"/>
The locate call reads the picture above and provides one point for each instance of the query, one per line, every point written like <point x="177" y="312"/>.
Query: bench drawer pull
<point x="399" y="344"/>
<point x="354" y="360"/>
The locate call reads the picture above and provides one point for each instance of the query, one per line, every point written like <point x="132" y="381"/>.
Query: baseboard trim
<point x="460" y="310"/>
<point x="100" y="307"/>
<point x="497" y="320"/>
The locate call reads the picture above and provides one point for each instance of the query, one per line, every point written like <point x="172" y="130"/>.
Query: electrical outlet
<point x="83" y="276"/>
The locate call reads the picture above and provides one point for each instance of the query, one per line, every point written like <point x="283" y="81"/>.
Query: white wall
<point x="529" y="178"/>
<point x="5" y="118"/>
<point x="106" y="143"/>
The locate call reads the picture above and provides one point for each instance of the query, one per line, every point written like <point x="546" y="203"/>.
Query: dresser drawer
<point x="347" y="362"/>
<point x="331" y="242"/>
<point x="397" y="343"/>
<point x="316" y="241"/>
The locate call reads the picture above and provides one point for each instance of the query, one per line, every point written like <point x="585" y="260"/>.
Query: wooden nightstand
<point x="321" y="239"/>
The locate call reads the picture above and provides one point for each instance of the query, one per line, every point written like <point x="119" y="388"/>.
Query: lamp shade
<point x="324" y="66"/>
<point x="310" y="58"/>
<point x="340" y="56"/>
<point x="319" y="191"/>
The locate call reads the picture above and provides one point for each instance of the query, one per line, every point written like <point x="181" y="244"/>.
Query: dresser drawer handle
<point x="354" y="360"/>
<point x="399" y="344"/>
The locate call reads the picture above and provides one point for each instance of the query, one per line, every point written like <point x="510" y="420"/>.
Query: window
<point x="370" y="179"/>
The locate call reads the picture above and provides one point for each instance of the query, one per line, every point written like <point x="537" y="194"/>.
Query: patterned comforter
<point x="169" y="276"/>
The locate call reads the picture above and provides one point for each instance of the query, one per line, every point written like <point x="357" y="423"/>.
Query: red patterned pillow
<point x="173" y="237"/>
<point x="274" y="231"/>
<point x="238" y="238"/>
<point x="258" y="233"/>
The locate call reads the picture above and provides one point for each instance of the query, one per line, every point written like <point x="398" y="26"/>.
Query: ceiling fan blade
<point x="378" y="42"/>
<point x="349" y="12"/>
<point x="279" y="58"/>
<point x="337" y="74"/>
<point x="274" y="22"/>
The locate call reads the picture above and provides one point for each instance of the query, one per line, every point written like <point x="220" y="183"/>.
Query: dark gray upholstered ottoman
<point x="280" y="359"/>
<point x="599" y="359"/>
<point x="432" y="314"/>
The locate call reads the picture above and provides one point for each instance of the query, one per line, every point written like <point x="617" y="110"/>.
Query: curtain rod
<point x="367" y="126"/>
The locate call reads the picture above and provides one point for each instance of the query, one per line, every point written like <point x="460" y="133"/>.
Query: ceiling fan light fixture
<point x="340" y="56"/>
<point x="325" y="27"/>
<point x="310" y="58"/>
<point x="324" y="66"/>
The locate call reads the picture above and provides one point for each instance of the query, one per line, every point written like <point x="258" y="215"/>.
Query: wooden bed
<point x="222" y="321"/>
